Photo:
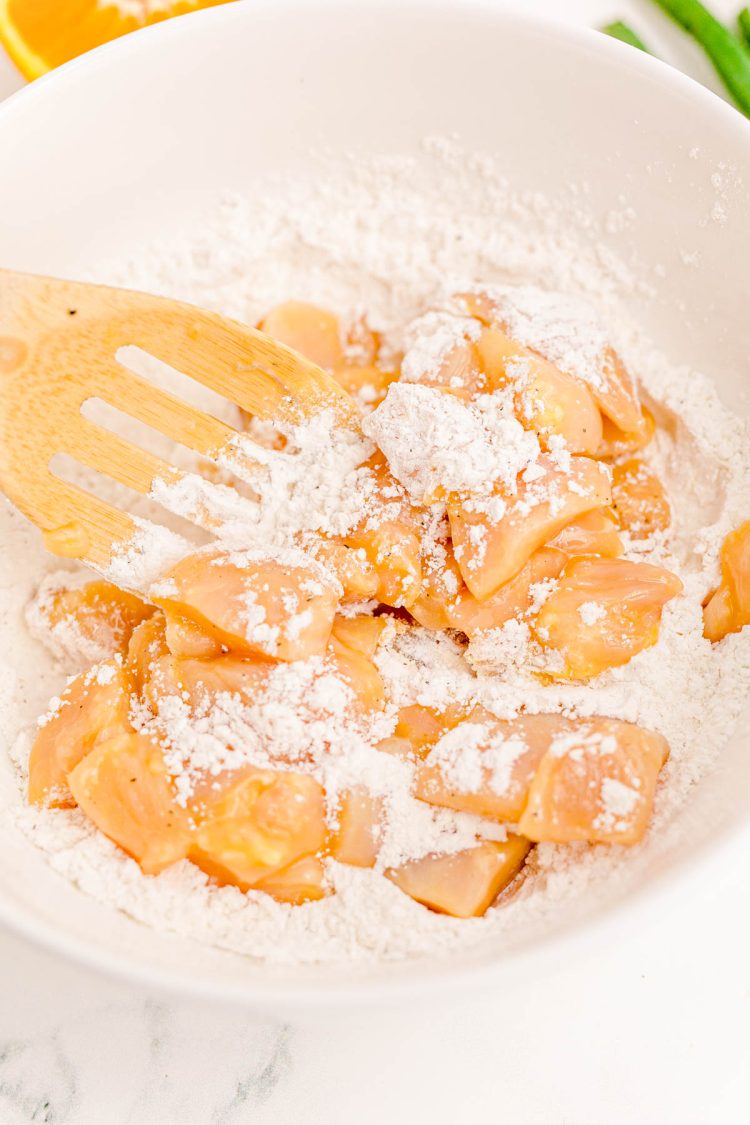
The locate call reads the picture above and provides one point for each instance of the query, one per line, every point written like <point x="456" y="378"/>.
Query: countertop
<point x="657" y="1033"/>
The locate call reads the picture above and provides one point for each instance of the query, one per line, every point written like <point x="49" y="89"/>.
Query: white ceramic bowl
<point x="120" y="145"/>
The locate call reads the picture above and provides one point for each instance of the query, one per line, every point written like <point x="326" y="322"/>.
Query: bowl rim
<point x="576" y="939"/>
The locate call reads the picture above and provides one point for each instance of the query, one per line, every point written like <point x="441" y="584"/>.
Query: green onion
<point x="730" y="59"/>
<point x="743" y="22"/>
<point x="621" y="31"/>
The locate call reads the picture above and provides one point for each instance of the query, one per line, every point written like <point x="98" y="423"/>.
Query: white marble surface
<point x="656" y="1033"/>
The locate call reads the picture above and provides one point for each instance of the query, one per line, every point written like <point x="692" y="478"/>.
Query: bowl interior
<point x="123" y="146"/>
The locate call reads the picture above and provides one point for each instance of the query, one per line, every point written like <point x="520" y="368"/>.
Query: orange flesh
<point x="44" y="34"/>
<point x="466" y="883"/>
<point x="602" y="613"/>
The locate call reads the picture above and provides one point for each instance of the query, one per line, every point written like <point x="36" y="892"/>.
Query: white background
<point x="655" y="1033"/>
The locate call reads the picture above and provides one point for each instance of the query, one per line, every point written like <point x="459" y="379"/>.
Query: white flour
<point x="564" y="328"/>
<point x="352" y="245"/>
<point x="432" y="439"/>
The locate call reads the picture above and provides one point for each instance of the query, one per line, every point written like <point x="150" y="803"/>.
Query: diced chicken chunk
<point x="466" y="883"/>
<point x="250" y="604"/>
<point x="602" y="613"/>
<point x="596" y="783"/>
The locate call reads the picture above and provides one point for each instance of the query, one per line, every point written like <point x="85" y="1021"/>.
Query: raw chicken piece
<point x="251" y="604"/>
<point x="92" y="709"/>
<point x="256" y="824"/>
<point x="602" y="613"/>
<point x="727" y="609"/>
<point x="465" y="883"/>
<point x="490" y="550"/>
<point x="123" y="786"/>
<point x="596" y="784"/>
<point x="547" y="401"/>
<point x="639" y="499"/>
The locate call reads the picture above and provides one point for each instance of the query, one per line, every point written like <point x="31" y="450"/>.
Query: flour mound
<point x="344" y="244"/>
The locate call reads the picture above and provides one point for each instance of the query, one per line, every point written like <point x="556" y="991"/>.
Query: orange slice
<point x="42" y="34"/>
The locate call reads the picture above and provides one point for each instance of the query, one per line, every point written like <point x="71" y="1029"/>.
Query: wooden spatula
<point x="59" y="342"/>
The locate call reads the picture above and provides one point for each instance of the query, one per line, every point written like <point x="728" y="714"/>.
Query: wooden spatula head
<point x="59" y="343"/>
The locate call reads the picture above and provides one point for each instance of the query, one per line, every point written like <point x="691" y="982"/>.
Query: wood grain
<point x="59" y="343"/>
